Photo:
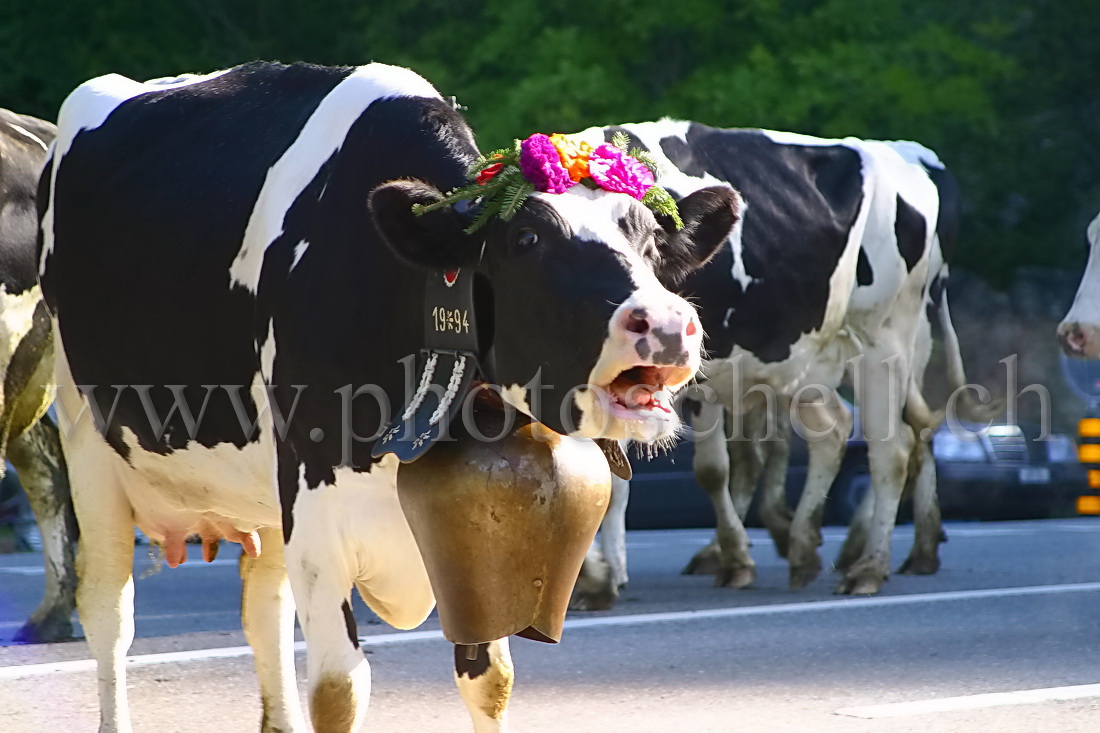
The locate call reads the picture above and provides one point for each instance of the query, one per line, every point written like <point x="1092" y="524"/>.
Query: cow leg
<point x="924" y="556"/>
<point x="737" y="569"/>
<point x="595" y="590"/>
<point x="338" y="534"/>
<point x="890" y="442"/>
<point x="613" y="531"/>
<point x="484" y="675"/>
<point x="888" y="460"/>
<point x="603" y="571"/>
<point x="830" y="426"/>
<point x="774" y="510"/>
<point x="337" y="672"/>
<point x="267" y="615"/>
<point x="37" y="457"/>
<point x="105" y="551"/>
<point x="105" y="593"/>
<point x="858" y="530"/>
<point x="745" y="461"/>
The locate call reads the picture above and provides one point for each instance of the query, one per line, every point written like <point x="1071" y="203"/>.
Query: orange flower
<point x="574" y="155"/>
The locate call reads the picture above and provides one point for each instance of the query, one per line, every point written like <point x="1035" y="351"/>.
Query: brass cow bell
<point x="503" y="525"/>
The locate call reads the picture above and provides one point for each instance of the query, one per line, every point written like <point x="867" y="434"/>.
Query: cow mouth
<point x="641" y="391"/>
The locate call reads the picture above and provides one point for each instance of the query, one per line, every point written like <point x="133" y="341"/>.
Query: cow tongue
<point x="642" y="397"/>
<point x="636" y="388"/>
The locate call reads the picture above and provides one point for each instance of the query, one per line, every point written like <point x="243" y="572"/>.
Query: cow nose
<point x="1073" y="339"/>
<point x="669" y="321"/>
<point x="636" y="321"/>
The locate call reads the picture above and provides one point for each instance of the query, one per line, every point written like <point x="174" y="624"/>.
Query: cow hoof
<point x="598" y="600"/>
<point x="740" y="577"/>
<point x="803" y="574"/>
<point x="53" y="628"/>
<point x="865" y="583"/>
<point x="920" y="565"/>
<point x="705" y="562"/>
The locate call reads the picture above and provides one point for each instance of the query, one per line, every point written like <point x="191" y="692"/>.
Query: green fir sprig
<point x="501" y="196"/>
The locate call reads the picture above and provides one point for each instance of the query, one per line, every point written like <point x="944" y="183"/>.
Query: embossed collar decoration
<point x="447" y="366"/>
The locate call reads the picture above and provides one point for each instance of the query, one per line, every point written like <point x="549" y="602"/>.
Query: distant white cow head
<point x="1079" y="331"/>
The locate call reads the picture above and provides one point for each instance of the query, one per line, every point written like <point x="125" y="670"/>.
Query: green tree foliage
<point x="1004" y="90"/>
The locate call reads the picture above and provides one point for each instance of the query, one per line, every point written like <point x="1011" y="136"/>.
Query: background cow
<point x="238" y="253"/>
<point x="28" y="438"/>
<point x="786" y="265"/>
<point x="1079" y="331"/>
<point x="879" y="251"/>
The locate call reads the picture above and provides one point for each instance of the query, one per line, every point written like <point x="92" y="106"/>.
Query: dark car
<point x="1006" y="472"/>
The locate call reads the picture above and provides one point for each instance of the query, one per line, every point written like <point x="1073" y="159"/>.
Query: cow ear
<point x="709" y="216"/>
<point x="436" y="239"/>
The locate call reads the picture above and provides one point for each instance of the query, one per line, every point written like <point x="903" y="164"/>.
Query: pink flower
<point x="541" y="165"/>
<point x="614" y="170"/>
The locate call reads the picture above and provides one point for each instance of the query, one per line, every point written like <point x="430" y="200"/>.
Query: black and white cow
<point x="830" y="264"/>
<point x="207" y="238"/>
<point x="29" y="440"/>
<point x="879" y="251"/>
<point x="1079" y="331"/>
<point x="924" y="555"/>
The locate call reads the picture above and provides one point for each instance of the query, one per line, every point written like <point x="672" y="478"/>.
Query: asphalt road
<point x="1005" y="638"/>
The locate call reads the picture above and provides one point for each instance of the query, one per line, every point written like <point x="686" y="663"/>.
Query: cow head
<point x="580" y="329"/>
<point x="1079" y="331"/>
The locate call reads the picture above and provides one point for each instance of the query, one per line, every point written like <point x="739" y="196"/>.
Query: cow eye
<point x="526" y="238"/>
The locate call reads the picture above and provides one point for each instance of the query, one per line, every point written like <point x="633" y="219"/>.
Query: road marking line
<point x="971" y="702"/>
<point x="638" y="619"/>
<point x="844" y="603"/>
<point x="196" y="655"/>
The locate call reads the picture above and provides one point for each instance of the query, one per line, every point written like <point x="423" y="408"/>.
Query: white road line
<point x="639" y="619"/>
<point x="196" y="655"/>
<point x="971" y="702"/>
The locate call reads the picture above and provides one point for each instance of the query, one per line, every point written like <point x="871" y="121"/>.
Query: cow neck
<point x="446" y="367"/>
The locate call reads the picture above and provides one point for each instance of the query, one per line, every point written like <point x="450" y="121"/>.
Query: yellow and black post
<point x="1088" y="453"/>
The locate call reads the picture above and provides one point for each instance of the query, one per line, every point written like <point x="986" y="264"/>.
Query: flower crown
<point x="504" y="178"/>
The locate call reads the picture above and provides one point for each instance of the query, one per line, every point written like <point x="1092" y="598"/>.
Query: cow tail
<point x="918" y="415"/>
<point x="967" y="406"/>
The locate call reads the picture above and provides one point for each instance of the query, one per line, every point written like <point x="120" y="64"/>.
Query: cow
<point x="921" y="483"/>
<point x="923" y="557"/>
<point x="830" y="262"/>
<point x="1079" y="331"/>
<point x="28" y="438"/>
<point x="237" y="281"/>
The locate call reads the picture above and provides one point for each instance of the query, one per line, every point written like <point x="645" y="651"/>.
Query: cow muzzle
<point x="1079" y="340"/>
<point x="652" y="350"/>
